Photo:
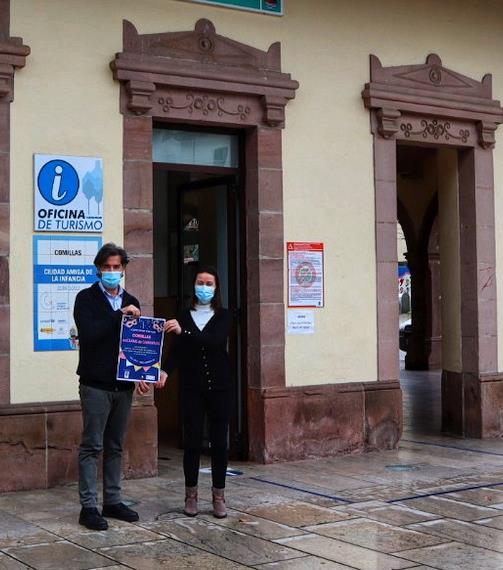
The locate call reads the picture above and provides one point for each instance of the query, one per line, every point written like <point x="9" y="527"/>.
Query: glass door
<point x="209" y="235"/>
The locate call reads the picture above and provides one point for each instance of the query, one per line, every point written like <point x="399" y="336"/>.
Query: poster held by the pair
<point x="140" y="349"/>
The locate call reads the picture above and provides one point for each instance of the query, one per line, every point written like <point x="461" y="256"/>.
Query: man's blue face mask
<point x="111" y="279"/>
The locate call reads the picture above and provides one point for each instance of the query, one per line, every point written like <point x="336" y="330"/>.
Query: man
<point x="105" y="401"/>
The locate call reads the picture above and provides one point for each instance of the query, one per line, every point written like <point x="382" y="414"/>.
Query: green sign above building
<point x="266" y="6"/>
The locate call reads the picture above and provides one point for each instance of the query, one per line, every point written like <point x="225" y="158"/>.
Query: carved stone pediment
<point x="431" y="91"/>
<point x="202" y="44"/>
<point x="201" y="66"/>
<point x="430" y="76"/>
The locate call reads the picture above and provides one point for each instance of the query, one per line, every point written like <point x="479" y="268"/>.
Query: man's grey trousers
<point x="105" y="416"/>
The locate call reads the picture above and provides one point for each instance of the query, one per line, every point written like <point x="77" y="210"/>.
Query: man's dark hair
<point x="216" y="302"/>
<point x="107" y="251"/>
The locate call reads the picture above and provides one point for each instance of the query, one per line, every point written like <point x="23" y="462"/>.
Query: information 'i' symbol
<point x="56" y="185"/>
<point x="58" y="182"/>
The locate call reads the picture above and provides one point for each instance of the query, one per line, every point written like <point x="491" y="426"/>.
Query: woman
<point x="199" y="352"/>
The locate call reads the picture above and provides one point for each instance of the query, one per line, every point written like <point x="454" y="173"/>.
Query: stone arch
<point x="405" y="221"/>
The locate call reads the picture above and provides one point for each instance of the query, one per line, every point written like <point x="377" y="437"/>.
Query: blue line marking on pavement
<point x="453" y="447"/>
<point x="447" y="492"/>
<point x="309" y="492"/>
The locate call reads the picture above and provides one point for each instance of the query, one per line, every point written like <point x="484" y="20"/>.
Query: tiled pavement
<point x="435" y="503"/>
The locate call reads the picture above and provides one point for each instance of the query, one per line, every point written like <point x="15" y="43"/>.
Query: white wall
<point x="66" y="102"/>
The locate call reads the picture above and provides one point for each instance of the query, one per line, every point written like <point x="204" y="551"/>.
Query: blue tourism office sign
<point x="68" y="193"/>
<point x="266" y="6"/>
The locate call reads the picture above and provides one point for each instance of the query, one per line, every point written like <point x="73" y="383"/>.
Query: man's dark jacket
<point x="98" y="327"/>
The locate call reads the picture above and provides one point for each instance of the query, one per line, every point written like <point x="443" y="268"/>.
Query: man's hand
<point x="142" y="388"/>
<point x="131" y="310"/>
<point x="173" y="326"/>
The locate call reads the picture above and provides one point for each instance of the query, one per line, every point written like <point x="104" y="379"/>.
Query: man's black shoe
<point x="90" y="518"/>
<point x="121" y="512"/>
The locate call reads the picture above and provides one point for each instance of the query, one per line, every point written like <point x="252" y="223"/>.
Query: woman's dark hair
<point x="216" y="302"/>
<point x="107" y="251"/>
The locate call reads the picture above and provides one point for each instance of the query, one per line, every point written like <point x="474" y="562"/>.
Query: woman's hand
<point x="172" y="326"/>
<point x="142" y="388"/>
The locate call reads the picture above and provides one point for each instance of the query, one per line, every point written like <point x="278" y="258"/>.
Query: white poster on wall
<point x="68" y="193"/>
<point x="300" y="322"/>
<point x="305" y="274"/>
<point x="62" y="266"/>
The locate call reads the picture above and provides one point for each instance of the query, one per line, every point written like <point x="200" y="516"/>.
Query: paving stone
<point x="166" y="554"/>
<point x="16" y="532"/>
<point x="114" y="567"/>
<point x="448" y="508"/>
<point x="255" y="526"/>
<point x="8" y="563"/>
<point x="118" y="533"/>
<point x="58" y="555"/>
<point x="396" y="515"/>
<point x="248" y="492"/>
<point x="303" y="475"/>
<point x="225" y="542"/>
<point x="241" y="497"/>
<point x="456" y="556"/>
<point x="465" y="532"/>
<point x="380" y="493"/>
<point x="485" y="497"/>
<point x="153" y="509"/>
<point x="298" y="514"/>
<point x="304" y="563"/>
<point x="375" y="535"/>
<point x="40" y="505"/>
<point x="422" y="473"/>
<point x="344" y="553"/>
<point x="494" y="522"/>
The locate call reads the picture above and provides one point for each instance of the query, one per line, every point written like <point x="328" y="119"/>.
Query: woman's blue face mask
<point x="204" y="293"/>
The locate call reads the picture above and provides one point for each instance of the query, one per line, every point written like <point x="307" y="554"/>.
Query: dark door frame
<point x="238" y="436"/>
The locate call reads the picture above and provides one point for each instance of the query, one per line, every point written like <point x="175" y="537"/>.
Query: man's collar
<point x="119" y="294"/>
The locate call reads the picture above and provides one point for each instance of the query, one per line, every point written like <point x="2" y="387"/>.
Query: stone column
<point x="388" y="365"/>
<point x="482" y="400"/>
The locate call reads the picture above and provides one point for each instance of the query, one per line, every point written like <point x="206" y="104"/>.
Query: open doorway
<point x="428" y="106"/>
<point x="197" y="221"/>
<point x="428" y="281"/>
